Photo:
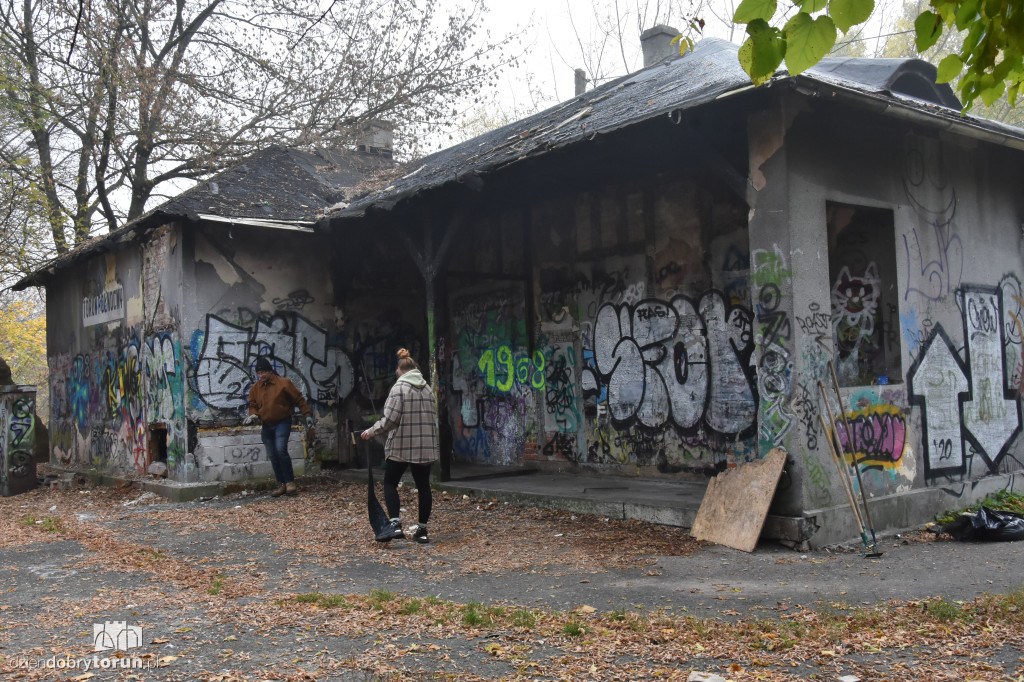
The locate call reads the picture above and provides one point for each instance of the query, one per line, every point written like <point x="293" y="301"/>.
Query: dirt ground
<point x="249" y="587"/>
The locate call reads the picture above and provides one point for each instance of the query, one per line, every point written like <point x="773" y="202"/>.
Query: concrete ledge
<point x="614" y="510"/>
<point x="181" y="492"/>
<point x="666" y="516"/>
<point x="792" y="531"/>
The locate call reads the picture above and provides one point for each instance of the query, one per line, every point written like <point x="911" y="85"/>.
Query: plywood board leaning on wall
<point x="736" y="503"/>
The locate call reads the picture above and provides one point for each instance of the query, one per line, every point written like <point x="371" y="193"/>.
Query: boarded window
<point x="865" y="307"/>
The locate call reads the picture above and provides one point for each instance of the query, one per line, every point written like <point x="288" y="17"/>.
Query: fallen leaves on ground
<point x="416" y="638"/>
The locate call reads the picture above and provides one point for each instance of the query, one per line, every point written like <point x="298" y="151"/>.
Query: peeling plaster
<point x="111" y="272"/>
<point x="133" y="311"/>
<point x="767" y="136"/>
<point x="206" y="253"/>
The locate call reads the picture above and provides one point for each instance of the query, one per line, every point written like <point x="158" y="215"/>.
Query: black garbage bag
<point x="986" y="524"/>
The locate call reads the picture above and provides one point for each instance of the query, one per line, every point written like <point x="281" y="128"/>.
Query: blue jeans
<point x="275" y="439"/>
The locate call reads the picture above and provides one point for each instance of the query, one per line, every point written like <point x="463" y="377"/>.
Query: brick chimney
<point x="656" y="43"/>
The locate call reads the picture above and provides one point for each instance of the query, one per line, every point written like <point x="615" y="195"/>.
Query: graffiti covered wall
<point x="17" y="439"/>
<point x="632" y="358"/>
<point x="494" y="379"/>
<point x="113" y="375"/>
<point x="920" y="317"/>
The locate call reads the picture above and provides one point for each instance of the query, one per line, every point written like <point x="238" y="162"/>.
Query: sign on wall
<point x="107" y="306"/>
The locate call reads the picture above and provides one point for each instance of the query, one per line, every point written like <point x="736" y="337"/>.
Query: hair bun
<point x="402" y="353"/>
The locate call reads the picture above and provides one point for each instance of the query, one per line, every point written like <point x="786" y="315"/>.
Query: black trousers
<point x="420" y="474"/>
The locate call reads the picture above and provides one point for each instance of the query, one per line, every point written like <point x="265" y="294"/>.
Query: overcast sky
<point x="552" y="43"/>
<point x="553" y="51"/>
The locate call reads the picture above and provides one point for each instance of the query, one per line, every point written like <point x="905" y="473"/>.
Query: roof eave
<point x="919" y="111"/>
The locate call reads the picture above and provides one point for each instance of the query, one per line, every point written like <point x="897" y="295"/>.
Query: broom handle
<point x="842" y="475"/>
<point x="853" y="450"/>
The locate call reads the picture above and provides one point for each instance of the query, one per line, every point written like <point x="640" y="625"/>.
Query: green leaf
<point x="848" y="13"/>
<point x="751" y="10"/>
<point x="807" y="41"/>
<point x="974" y="37"/>
<point x="811" y="6"/>
<point x="946" y="9"/>
<point x="762" y="53"/>
<point x="967" y="12"/>
<point x="949" y="68"/>
<point x="991" y="94"/>
<point x="929" y="27"/>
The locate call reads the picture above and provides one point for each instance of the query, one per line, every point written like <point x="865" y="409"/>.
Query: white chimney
<point x="377" y="138"/>
<point x="656" y="43"/>
<point x="581" y="81"/>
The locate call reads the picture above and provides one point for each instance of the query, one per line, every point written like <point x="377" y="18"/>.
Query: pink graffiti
<point x="879" y="436"/>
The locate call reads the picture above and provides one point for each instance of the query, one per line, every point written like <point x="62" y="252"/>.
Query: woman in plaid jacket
<point x="410" y="420"/>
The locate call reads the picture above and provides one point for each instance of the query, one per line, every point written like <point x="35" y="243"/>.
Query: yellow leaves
<point x="166" y="661"/>
<point x="23" y="341"/>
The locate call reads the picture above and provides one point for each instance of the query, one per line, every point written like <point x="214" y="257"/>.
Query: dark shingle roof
<point x="277" y="185"/>
<point x="711" y="71"/>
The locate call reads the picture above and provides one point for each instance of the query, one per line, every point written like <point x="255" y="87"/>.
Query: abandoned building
<point x="650" y="279"/>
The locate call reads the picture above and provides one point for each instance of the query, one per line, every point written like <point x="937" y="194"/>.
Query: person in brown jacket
<point x="272" y="401"/>
<point x="410" y="420"/>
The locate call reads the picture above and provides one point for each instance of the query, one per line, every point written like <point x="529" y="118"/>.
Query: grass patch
<point x="308" y="598"/>
<point x="472" y="614"/>
<point x="945" y="611"/>
<point x="574" y="629"/>
<point x="50" y="524"/>
<point x="333" y="601"/>
<point x="380" y="597"/>
<point x="522" y="618"/>
<point x="411" y="606"/>
<point x="1007" y="608"/>
<point x="218" y="583"/>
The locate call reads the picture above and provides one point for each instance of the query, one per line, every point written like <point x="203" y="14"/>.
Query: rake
<point x="870" y="549"/>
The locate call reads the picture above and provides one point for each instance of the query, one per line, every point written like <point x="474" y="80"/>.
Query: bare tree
<point x="117" y="98"/>
<point x="608" y="42"/>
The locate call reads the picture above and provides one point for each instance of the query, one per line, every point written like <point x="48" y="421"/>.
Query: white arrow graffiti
<point x="938" y="382"/>
<point x="966" y="404"/>
<point x="992" y="419"/>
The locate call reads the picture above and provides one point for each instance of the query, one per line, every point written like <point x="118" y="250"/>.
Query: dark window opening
<point x="865" y="305"/>
<point x="158" y="442"/>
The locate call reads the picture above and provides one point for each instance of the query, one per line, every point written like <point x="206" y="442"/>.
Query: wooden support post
<point x="429" y="263"/>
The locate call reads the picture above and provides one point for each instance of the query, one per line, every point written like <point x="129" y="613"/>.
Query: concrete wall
<point x="673" y="332"/>
<point x="237" y="454"/>
<point x="17" y="439"/>
<point x="115" y="361"/>
<point x="272" y="292"/>
<point x="167" y="374"/>
<point x="940" y="306"/>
